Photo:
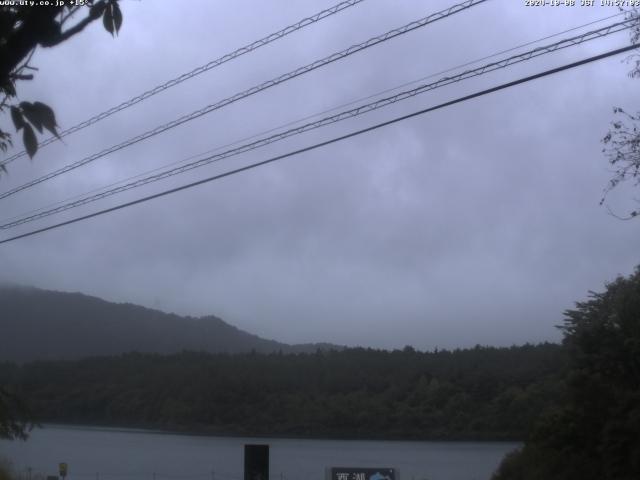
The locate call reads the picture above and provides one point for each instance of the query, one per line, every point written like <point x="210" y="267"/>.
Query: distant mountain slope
<point x="45" y="325"/>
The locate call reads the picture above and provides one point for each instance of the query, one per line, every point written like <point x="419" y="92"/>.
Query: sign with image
<point x="354" y="473"/>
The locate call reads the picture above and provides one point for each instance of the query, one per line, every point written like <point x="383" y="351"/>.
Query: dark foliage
<point x="595" y="433"/>
<point x="479" y="393"/>
<point x="15" y="418"/>
<point x="25" y="27"/>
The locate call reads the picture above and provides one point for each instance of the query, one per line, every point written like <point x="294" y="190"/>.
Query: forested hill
<point x="479" y="393"/>
<point x="46" y="325"/>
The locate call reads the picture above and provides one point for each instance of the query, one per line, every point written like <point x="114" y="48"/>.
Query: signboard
<point x="62" y="468"/>
<point x="354" y="473"/>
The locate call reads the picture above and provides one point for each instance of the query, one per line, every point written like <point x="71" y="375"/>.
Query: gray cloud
<point x="475" y="224"/>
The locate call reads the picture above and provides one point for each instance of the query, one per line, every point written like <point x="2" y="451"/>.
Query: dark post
<point x="63" y="468"/>
<point x="256" y="462"/>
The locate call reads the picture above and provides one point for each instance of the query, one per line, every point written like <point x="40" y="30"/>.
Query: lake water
<point x="111" y="454"/>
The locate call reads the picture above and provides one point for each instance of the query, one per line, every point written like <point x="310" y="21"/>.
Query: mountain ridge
<point x="39" y="324"/>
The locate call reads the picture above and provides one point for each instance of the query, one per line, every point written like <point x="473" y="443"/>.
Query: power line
<point x="384" y="102"/>
<point x="299" y="120"/>
<point x="332" y="119"/>
<point x="256" y="89"/>
<point x="331" y="141"/>
<point x="457" y="67"/>
<point x="272" y="37"/>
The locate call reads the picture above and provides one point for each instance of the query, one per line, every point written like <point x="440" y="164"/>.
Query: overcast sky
<point x="475" y="224"/>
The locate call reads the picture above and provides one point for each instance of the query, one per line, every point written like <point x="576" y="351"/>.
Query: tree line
<point x="478" y="393"/>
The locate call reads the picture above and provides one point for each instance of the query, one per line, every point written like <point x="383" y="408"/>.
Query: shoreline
<point x="208" y="432"/>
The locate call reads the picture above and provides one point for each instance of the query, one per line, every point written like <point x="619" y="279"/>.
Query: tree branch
<point x="631" y="216"/>
<point x="71" y="13"/>
<point x="39" y="27"/>
<point x="94" y="13"/>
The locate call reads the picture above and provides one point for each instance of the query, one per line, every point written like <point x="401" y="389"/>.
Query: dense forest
<point x="479" y="393"/>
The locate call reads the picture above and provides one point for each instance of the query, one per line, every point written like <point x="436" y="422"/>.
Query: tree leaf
<point x="32" y="114"/>
<point x="117" y="16"/>
<point x="97" y="9"/>
<point x="47" y="117"/>
<point x="30" y="141"/>
<point x="16" y="116"/>
<point x="5" y="139"/>
<point x="107" y="20"/>
<point x="9" y="88"/>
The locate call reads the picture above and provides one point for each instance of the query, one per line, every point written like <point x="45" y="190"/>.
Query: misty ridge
<point x="41" y="324"/>
<point x="82" y="360"/>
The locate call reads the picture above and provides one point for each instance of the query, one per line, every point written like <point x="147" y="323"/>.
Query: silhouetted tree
<point x="15" y="419"/>
<point x="622" y="142"/>
<point x="595" y="434"/>
<point x="23" y="28"/>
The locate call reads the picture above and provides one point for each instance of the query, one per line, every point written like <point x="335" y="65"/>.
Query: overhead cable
<point x="303" y="119"/>
<point x="272" y="37"/>
<point x="251" y="91"/>
<point x="369" y="107"/>
<point x="331" y="141"/>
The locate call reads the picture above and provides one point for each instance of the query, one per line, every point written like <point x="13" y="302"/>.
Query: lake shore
<point x="206" y="431"/>
<point x="107" y="453"/>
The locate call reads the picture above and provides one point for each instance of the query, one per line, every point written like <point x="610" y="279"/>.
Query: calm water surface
<point x="110" y="454"/>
